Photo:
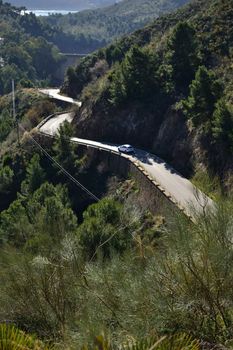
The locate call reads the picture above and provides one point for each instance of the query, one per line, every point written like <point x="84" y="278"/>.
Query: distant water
<point x="49" y="12"/>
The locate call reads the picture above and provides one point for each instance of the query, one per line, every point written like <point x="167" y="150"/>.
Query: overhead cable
<point x="63" y="170"/>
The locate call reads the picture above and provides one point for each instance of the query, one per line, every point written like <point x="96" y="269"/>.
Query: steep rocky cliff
<point x="153" y="116"/>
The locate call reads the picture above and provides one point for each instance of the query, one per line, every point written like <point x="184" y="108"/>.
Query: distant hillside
<point x="167" y="87"/>
<point x="25" y="54"/>
<point x="62" y="4"/>
<point x="119" y="267"/>
<point x="103" y="25"/>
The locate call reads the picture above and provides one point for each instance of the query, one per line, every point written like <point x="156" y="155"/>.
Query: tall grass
<point x="183" y="283"/>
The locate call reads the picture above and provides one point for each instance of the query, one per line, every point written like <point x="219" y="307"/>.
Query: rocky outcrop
<point x="165" y="134"/>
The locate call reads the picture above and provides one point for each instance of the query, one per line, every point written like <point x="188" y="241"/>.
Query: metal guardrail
<point x="136" y="163"/>
<point x="44" y="121"/>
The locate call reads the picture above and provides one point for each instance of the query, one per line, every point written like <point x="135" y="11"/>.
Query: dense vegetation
<point x="95" y="28"/>
<point x="66" y="42"/>
<point x="29" y="48"/>
<point x="38" y="216"/>
<point x="26" y="57"/>
<point x="31" y="108"/>
<point x="85" y="31"/>
<point x="62" y="4"/>
<point x="73" y="269"/>
<point x="11" y="338"/>
<point x="179" y="67"/>
<point x="120" y="270"/>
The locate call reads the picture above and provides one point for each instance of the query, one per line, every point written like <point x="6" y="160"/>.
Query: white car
<point x="128" y="149"/>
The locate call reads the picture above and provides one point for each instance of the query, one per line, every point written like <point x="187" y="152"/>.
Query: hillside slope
<point x="26" y="56"/>
<point x="144" y="94"/>
<point x="77" y="5"/>
<point x="111" y="22"/>
<point x="125" y="272"/>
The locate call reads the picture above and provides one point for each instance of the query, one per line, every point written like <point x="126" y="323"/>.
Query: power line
<point x="14" y="111"/>
<point x="64" y="171"/>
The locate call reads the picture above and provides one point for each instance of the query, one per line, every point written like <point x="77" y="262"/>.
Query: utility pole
<point x="14" y="111"/>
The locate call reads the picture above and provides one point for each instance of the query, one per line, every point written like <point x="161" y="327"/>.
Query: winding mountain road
<point x="55" y="94"/>
<point x="177" y="188"/>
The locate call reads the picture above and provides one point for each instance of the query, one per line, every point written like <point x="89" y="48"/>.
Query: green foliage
<point x="206" y="107"/>
<point x="183" y="54"/>
<point x="39" y="220"/>
<point x="35" y="175"/>
<point x="104" y="229"/>
<point x="5" y="125"/>
<point x="198" y="43"/>
<point x="11" y="338"/>
<point x="222" y="124"/>
<point x="46" y="191"/>
<point x="208" y="183"/>
<point x="117" y="89"/>
<point x="138" y="70"/>
<point x="7" y="73"/>
<point x="36" y="110"/>
<point x="176" y="287"/>
<point x="50" y="213"/>
<point x="45" y="57"/>
<point x="18" y="56"/>
<point x="150" y="277"/>
<point x="31" y="108"/>
<point x="6" y="179"/>
<point x="71" y="78"/>
<point x="205" y="91"/>
<point x="15" y="226"/>
<point x="11" y="170"/>
<point x="200" y="33"/>
<point x="78" y="78"/>
<point x="27" y="55"/>
<point x="65" y="149"/>
<point x="177" y="341"/>
<point x="135" y="78"/>
<point x="46" y="288"/>
<point x="92" y="29"/>
<point x="113" y="53"/>
<point x="179" y="288"/>
<point x="197" y="264"/>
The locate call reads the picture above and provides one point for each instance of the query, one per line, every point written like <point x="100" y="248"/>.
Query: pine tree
<point x="71" y="81"/>
<point x="6" y="179"/>
<point x="205" y="91"/>
<point x="222" y="125"/>
<point x="64" y="149"/>
<point x="102" y="224"/>
<point x="35" y="175"/>
<point x="183" y="54"/>
<point x="138" y="70"/>
<point x="15" y="227"/>
<point x="135" y="77"/>
<point x="117" y="88"/>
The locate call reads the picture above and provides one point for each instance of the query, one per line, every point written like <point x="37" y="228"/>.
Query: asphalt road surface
<point x="175" y="185"/>
<point x="55" y="93"/>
